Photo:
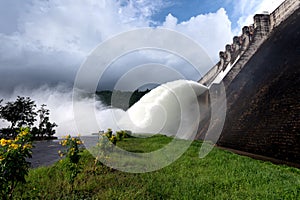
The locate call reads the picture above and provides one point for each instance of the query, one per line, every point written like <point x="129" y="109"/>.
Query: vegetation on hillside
<point x="120" y="99"/>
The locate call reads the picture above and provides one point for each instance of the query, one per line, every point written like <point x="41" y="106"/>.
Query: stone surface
<point x="264" y="98"/>
<point x="262" y="88"/>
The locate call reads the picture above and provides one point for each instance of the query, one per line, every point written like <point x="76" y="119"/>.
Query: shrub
<point x="105" y="144"/>
<point x="13" y="164"/>
<point x="70" y="163"/>
<point x="108" y="133"/>
<point x="122" y="134"/>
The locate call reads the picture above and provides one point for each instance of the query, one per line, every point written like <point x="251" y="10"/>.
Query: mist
<point x="59" y="101"/>
<point x="167" y="109"/>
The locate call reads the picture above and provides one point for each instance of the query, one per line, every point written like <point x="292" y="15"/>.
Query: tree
<point x="19" y="113"/>
<point x="136" y="96"/>
<point x="46" y="128"/>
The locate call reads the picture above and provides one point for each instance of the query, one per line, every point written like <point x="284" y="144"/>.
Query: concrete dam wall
<point x="262" y="82"/>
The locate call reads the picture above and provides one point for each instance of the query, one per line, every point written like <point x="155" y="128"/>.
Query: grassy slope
<point x="220" y="175"/>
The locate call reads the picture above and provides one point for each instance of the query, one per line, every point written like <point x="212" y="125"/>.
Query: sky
<point x="44" y="42"/>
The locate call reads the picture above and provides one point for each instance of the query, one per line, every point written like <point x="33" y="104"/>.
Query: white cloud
<point x="269" y="5"/>
<point x="58" y="35"/>
<point x="68" y="27"/>
<point x="170" y="22"/>
<point x="212" y="31"/>
<point x="248" y="8"/>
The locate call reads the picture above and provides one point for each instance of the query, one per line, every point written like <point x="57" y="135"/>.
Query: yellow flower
<point x="1" y="158"/>
<point x="78" y="142"/>
<point x="5" y="142"/>
<point x="23" y="133"/>
<point x="60" y="153"/>
<point x="27" y="146"/>
<point x="112" y="138"/>
<point x="64" y="142"/>
<point x="17" y="138"/>
<point x="14" y="146"/>
<point x="72" y="150"/>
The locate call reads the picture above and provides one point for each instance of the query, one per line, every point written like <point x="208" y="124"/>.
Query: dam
<point x="260" y="71"/>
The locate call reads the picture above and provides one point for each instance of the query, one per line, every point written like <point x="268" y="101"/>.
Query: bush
<point x="70" y="164"/>
<point x="105" y="144"/>
<point x="122" y="134"/>
<point x="13" y="164"/>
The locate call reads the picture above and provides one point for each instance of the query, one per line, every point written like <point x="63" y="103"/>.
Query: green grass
<point x="220" y="175"/>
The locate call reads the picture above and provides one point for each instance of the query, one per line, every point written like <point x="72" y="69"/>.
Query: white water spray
<point x="170" y="109"/>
